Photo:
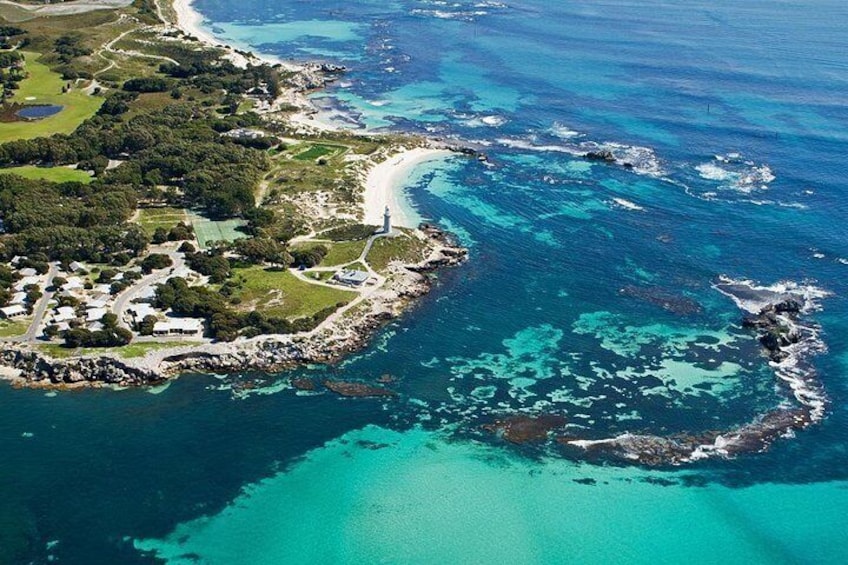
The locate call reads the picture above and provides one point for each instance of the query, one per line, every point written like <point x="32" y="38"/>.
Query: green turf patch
<point x="317" y="151"/>
<point x="339" y="253"/>
<point x="281" y="294"/>
<point x="52" y="174"/>
<point x="208" y="230"/>
<point x="127" y="352"/>
<point x="342" y="253"/>
<point x="13" y="328"/>
<point x="401" y="248"/>
<point x="43" y="86"/>
<point x="152" y="218"/>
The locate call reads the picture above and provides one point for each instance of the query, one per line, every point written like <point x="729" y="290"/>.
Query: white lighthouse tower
<point x="387" y="222"/>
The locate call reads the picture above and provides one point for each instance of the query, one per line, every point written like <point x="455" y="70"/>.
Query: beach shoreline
<point x="385" y="186"/>
<point x="384" y="182"/>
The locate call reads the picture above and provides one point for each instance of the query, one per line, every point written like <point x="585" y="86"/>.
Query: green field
<point x="281" y="294"/>
<point x="127" y="352"/>
<point x="152" y="218"/>
<point x="45" y="87"/>
<point x="52" y="174"/>
<point x="340" y="253"/>
<point x="316" y="151"/>
<point x="208" y="230"/>
<point x="402" y="248"/>
<point x="13" y="328"/>
<point x="343" y="252"/>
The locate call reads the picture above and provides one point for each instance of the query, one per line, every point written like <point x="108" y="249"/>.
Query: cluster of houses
<point x="18" y="304"/>
<point x="81" y="301"/>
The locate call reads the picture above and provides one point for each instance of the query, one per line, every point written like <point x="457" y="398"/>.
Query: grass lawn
<point x="400" y="248"/>
<point x="215" y="230"/>
<point x="152" y="218"/>
<point x="53" y="174"/>
<point x="281" y="294"/>
<point x="45" y="87"/>
<point x="13" y="328"/>
<point x="141" y="349"/>
<point x="127" y="352"/>
<point x="339" y="253"/>
<point x="343" y="252"/>
<point x="317" y="151"/>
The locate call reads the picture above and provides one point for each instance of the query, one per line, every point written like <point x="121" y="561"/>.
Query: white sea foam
<point x="752" y="298"/>
<point x="493" y="120"/>
<point x="641" y="160"/>
<point x="732" y="173"/>
<point x="563" y="132"/>
<point x="794" y="370"/>
<point x="627" y="204"/>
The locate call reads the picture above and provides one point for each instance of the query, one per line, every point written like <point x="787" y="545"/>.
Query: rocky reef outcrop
<point x="788" y="342"/>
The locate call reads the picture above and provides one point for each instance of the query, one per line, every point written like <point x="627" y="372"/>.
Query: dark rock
<point x="674" y="303"/>
<point x="302" y="383"/>
<point x="525" y="429"/>
<point x="360" y="390"/>
<point x="602" y="155"/>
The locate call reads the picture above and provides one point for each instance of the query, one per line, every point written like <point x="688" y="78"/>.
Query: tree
<point x="262" y="250"/>
<point x="145" y="327"/>
<point x="160" y="235"/>
<point x="155" y="261"/>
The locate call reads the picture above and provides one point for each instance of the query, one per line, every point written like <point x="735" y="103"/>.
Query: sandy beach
<point x="384" y="186"/>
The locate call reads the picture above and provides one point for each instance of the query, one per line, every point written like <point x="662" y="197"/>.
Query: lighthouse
<point x="387" y="222"/>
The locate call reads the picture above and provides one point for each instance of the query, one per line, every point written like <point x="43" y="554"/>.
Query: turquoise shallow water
<point x="376" y="496"/>
<point x="590" y="293"/>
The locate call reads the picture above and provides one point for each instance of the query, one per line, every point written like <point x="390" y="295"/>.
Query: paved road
<point x="156" y="277"/>
<point x="41" y="307"/>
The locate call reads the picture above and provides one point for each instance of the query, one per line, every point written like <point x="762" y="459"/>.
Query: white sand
<point x="384" y="187"/>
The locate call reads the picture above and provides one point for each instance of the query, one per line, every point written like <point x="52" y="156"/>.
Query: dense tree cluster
<point x="11" y="71"/>
<point x="111" y="335"/>
<point x="179" y="232"/>
<point x="213" y="265"/>
<point x="148" y="84"/>
<point x="70" y="46"/>
<point x="310" y="256"/>
<point x="8" y="278"/>
<point x="155" y="261"/>
<point x="68" y="221"/>
<point x="260" y="250"/>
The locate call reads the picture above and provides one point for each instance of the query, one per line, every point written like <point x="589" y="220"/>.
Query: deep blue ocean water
<point x="733" y="117"/>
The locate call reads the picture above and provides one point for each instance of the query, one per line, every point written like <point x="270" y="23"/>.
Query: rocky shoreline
<point x="329" y="343"/>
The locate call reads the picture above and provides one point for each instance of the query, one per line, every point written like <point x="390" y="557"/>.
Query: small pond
<point x="38" y="112"/>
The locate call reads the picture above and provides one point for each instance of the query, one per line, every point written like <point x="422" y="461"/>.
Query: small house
<point x="95" y="314"/>
<point x="64" y="314"/>
<point x="178" y="326"/>
<point x="351" y="277"/>
<point x="11" y="312"/>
